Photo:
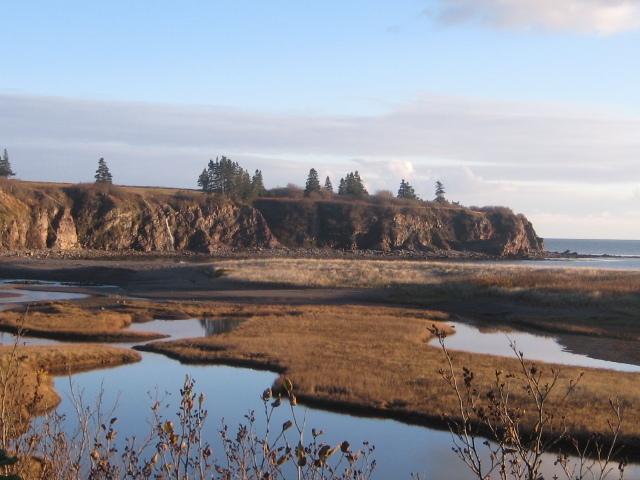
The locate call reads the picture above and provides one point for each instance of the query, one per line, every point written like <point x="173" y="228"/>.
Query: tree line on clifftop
<point x="226" y="177"/>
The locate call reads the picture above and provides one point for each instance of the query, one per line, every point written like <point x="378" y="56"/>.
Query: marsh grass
<point x="379" y="361"/>
<point x="75" y="321"/>
<point x="381" y="273"/>
<point x="370" y="359"/>
<point x="572" y="300"/>
<point x="364" y="358"/>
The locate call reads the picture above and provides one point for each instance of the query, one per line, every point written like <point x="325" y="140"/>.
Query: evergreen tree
<point x="313" y="183"/>
<point x="352" y="185"/>
<point x="103" y="175"/>
<point x="440" y="192"/>
<point x="228" y="172"/>
<point x="357" y="188"/>
<point x="257" y="184"/>
<point x="242" y="186"/>
<point x="342" y="187"/>
<point x="328" y="186"/>
<point x="406" y="191"/>
<point x="203" y="180"/>
<point x="5" y="165"/>
<point x="227" y="177"/>
<point x="213" y="184"/>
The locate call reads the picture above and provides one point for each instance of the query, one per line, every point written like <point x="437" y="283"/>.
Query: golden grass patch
<point x="26" y="384"/>
<point x="377" y="360"/>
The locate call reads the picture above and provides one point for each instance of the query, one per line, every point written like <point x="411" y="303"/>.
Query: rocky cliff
<point x="63" y="217"/>
<point x="38" y="217"/>
<point x="389" y="226"/>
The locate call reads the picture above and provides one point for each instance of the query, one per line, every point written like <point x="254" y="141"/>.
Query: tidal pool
<point x="130" y="390"/>
<point x="470" y="338"/>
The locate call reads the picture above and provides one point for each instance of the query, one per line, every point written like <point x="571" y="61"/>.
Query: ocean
<point x="623" y="248"/>
<point x="627" y="253"/>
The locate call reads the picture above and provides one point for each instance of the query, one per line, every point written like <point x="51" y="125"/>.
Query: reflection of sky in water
<point x="190" y="328"/>
<point x="598" y="263"/>
<point x="29" y="296"/>
<point x="535" y="347"/>
<point x="232" y="392"/>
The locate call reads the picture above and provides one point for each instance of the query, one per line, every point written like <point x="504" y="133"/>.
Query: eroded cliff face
<point x="115" y="219"/>
<point x="388" y="227"/>
<point x="49" y="216"/>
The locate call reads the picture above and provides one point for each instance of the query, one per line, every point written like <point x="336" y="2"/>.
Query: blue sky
<point x="524" y="103"/>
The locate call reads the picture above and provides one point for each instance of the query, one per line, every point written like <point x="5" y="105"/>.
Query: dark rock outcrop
<point x="389" y="226"/>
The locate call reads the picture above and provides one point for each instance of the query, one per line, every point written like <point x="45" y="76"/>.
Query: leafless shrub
<point x="54" y="447"/>
<point x="497" y="437"/>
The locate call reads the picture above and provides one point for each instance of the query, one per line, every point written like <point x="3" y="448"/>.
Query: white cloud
<point x="604" y="17"/>
<point x="402" y="168"/>
<point x="542" y="160"/>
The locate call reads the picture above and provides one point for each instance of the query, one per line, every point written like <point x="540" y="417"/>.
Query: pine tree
<point x="243" y="187"/>
<point x="228" y="173"/>
<point x="358" y="189"/>
<point x="103" y="175"/>
<point x="440" y="192"/>
<point x="352" y="185"/>
<point x="342" y="187"/>
<point x="228" y="178"/>
<point x="5" y="165"/>
<point x="406" y="191"/>
<point x="313" y="183"/>
<point x="257" y="184"/>
<point x="328" y="186"/>
<point x="203" y="180"/>
<point x="213" y="172"/>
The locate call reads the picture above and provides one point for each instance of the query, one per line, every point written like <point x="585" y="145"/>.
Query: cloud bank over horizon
<point x="570" y="170"/>
<point x="602" y="17"/>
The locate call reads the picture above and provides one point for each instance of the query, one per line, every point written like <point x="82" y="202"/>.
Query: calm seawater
<point x="623" y="248"/>
<point x="626" y="251"/>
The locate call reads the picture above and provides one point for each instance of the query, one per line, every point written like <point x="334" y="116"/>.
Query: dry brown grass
<point x="369" y="358"/>
<point x="571" y="300"/>
<point x="377" y="360"/>
<point x="28" y="371"/>
<point x="381" y="273"/>
<point x="66" y="359"/>
<point x="89" y="321"/>
<point x="331" y="273"/>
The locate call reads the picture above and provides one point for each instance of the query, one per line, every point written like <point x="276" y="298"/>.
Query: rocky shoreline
<point x="283" y="252"/>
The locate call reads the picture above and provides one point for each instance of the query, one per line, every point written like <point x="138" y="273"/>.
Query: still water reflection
<point x="231" y="392"/>
<point x="470" y="338"/>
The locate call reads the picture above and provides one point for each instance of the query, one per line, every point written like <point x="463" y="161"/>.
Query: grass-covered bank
<point x="27" y="371"/>
<point x="584" y="301"/>
<point x="369" y="358"/>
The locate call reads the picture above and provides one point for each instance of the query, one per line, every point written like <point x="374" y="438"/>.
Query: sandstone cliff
<point x="63" y="217"/>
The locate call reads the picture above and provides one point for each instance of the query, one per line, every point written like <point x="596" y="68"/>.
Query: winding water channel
<point x="231" y="392"/>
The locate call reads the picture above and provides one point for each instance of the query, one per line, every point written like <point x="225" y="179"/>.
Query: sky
<point x="532" y="104"/>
